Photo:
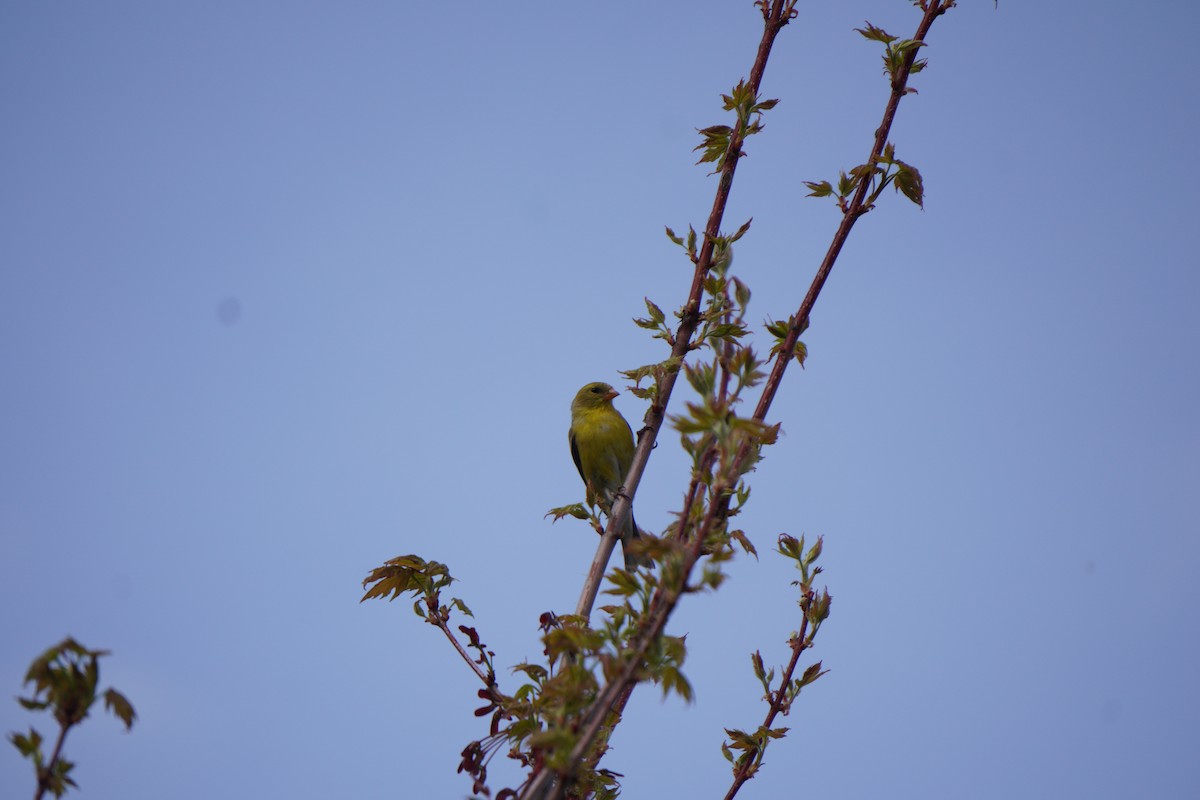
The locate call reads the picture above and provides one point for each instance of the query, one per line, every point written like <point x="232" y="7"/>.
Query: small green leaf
<point x="791" y="547"/>
<point x="741" y="293"/>
<point x="747" y="545"/>
<point x="120" y="707"/>
<point x="59" y="779"/>
<point x="740" y="232"/>
<point x="814" y="552"/>
<point x="28" y="745"/>
<point x="656" y="313"/>
<point x="813" y="672"/>
<point x="909" y="182"/>
<point x="740" y="740"/>
<point x="702" y="377"/>
<point x="535" y="671"/>
<point x="876" y="34"/>
<point x="575" y="510"/>
<point x="822" y="189"/>
<point x="846" y="185"/>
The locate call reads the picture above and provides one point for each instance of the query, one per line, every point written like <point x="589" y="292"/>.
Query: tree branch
<point x="775" y="17"/>
<point x="856" y="208"/>
<point x="46" y="773"/>
<point x="488" y="680"/>
<point x="778" y="702"/>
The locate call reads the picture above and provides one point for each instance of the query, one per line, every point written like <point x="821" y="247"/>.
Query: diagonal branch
<point x="778" y="702"/>
<point x="775" y="17"/>
<point x="857" y="207"/>
<point x="488" y="679"/>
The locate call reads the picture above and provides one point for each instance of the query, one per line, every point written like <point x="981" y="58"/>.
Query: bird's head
<point x="594" y="395"/>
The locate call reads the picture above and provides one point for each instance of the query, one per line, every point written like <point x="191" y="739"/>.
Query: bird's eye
<point x="595" y="390"/>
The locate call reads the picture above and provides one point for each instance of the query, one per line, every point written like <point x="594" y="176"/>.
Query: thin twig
<point x="47" y="771"/>
<point x="778" y="697"/>
<point x="855" y="210"/>
<point x="483" y="676"/>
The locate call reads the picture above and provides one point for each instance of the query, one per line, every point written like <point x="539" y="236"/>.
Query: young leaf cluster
<point x="719" y="440"/>
<point x="877" y="174"/>
<point x="896" y="53"/>
<point x="65" y="682"/>
<point x="716" y="139"/>
<point x="780" y="331"/>
<point x="865" y="182"/>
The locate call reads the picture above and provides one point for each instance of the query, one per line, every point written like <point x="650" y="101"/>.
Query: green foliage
<point x="867" y="181"/>
<point x="877" y="175"/>
<point x="723" y="444"/>
<point x="658" y="372"/>
<point x="781" y="330"/>
<point x="896" y="52"/>
<point x="752" y="746"/>
<point x="575" y="510"/>
<point x="719" y="141"/>
<point x="65" y="680"/>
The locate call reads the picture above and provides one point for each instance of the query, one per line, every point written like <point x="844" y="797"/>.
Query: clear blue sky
<point x="287" y="289"/>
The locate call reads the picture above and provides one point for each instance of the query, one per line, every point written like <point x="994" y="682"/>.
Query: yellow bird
<point x="602" y="446"/>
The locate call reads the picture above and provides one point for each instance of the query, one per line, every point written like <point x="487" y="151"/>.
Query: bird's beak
<point x="611" y="394"/>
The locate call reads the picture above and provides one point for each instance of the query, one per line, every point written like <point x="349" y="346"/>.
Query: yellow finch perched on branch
<point x="602" y="446"/>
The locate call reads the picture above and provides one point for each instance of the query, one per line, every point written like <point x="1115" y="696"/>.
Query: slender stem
<point x="744" y="772"/>
<point x="853" y="211"/>
<point x="483" y="676"/>
<point x="47" y="771"/>
<point x="850" y="215"/>
<point x="489" y="680"/>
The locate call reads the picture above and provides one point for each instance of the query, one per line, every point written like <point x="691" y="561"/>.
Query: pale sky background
<point x="290" y="288"/>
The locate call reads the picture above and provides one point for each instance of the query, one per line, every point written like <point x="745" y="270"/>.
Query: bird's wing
<point x="575" y="453"/>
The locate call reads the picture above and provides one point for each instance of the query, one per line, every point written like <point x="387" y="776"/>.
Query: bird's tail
<point x="631" y="533"/>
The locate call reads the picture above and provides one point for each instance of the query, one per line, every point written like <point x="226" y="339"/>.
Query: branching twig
<point x="489" y="680"/>
<point x="46" y="774"/>
<point x="778" y="702"/>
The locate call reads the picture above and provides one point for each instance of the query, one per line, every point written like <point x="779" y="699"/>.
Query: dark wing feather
<point x="575" y="453"/>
